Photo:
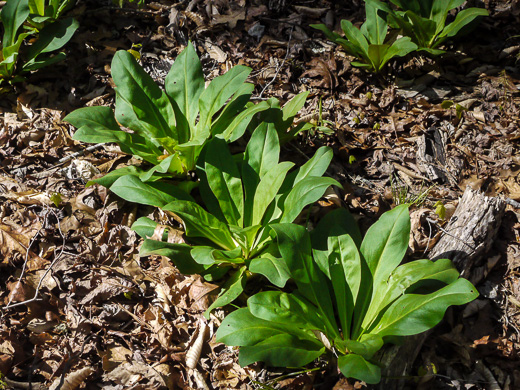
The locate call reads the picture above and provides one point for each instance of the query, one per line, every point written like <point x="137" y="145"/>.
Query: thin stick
<point x="279" y="67"/>
<point x="56" y="259"/>
<point x="81" y="152"/>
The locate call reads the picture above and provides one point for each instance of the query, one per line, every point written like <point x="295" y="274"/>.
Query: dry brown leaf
<point x="72" y="380"/>
<point x="114" y="356"/>
<point x="231" y="19"/>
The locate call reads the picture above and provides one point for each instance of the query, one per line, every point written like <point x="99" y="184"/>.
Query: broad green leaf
<point x="399" y="48"/>
<point x="230" y="291"/>
<point x="157" y="194"/>
<point x="439" y="12"/>
<point x="366" y="346"/>
<point x="179" y="254"/>
<point x="98" y="125"/>
<point x="52" y="37"/>
<point x="306" y="192"/>
<point x="295" y="247"/>
<point x="355" y="36"/>
<point x="263" y="149"/>
<point x="237" y="128"/>
<point x="97" y="117"/>
<point x="13" y="15"/>
<point x="218" y="91"/>
<point x="238" y="103"/>
<point x="386" y="242"/>
<point x="293" y="106"/>
<point x="375" y="26"/>
<point x="405" y="276"/>
<point x="283" y="350"/>
<point x="37" y="7"/>
<point x="423" y="29"/>
<point x="199" y="223"/>
<point x="267" y="190"/>
<point x="170" y="165"/>
<point x="241" y="328"/>
<point x="185" y="83"/>
<point x="316" y="166"/>
<point x="144" y="100"/>
<point x="415" y="313"/>
<point x="383" y="248"/>
<point x="145" y="227"/>
<point x="208" y="255"/>
<point x="376" y="53"/>
<point x="287" y="309"/>
<point x="345" y="267"/>
<point x="224" y="180"/>
<point x="462" y="19"/>
<point x="274" y="269"/>
<point x="355" y="366"/>
<point x="109" y="179"/>
<point x="336" y="222"/>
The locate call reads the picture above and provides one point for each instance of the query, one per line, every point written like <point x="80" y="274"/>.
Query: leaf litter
<point x="81" y="309"/>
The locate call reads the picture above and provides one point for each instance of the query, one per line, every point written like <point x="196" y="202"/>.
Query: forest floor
<point x="74" y="294"/>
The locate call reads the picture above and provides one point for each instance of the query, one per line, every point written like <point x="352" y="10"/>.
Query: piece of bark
<point x="465" y="240"/>
<point x="431" y="155"/>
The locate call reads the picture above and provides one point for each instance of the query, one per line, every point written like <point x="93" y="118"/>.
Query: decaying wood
<point x="465" y="240"/>
<point x="470" y="232"/>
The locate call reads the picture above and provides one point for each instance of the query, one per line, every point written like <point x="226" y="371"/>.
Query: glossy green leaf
<point x="316" y="166"/>
<point x="383" y="248"/>
<point x="185" y="83"/>
<point x="344" y="263"/>
<point x="287" y="309"/>
<point x="274" y="269"/>
<point x="355" y="366"/>
<point x="230" y="291"/>
<point x="405" y="276"/>
<point x="199" y="223"/>
<point x="462" y="19"/>
<point x="145" y="227"/>
<point x="241" y="328"/>
<point x="224" y="180"/>
<point x="375" y="27"/>
<point x="111" y="177"/>
<point x="13" y="15"/>
<point x="159" y="194"/>
<point x="306" y="192"/>
<point x="367" y="346"/>
<point x="268" y="188"/>
<point x="179" y="254"/>
<point x="415" y="313"/>
<point x="52" y="37"/>
<point x="218" y="91"/>
<point x="283" y="350"/>
<point x="399" y="48"/>
<point x="144" y="100"/>
<point x="295" y="247"/>
<point x="263" y="149"/>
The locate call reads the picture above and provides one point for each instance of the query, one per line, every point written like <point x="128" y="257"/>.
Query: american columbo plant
<point x="242" y="195"/>
<point x="351" y="296"/>
<point x="424" y="21"/>
<point x="370" y="43"/>
<point x="170" y="128"/>
<point x="16" y="58"/>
